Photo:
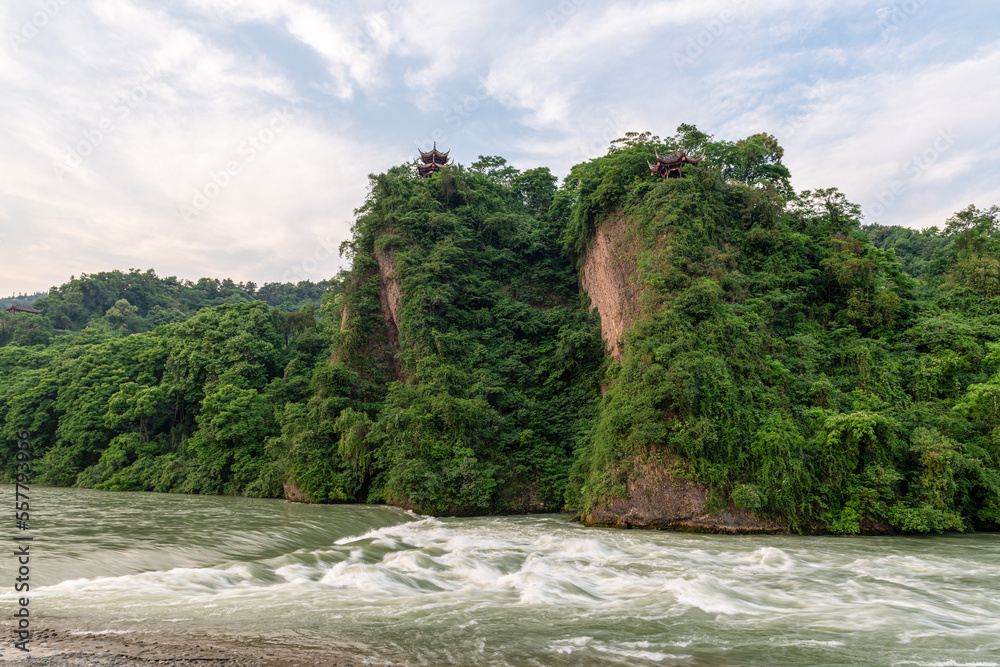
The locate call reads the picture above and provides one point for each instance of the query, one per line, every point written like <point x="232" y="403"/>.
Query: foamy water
<point x="538" y="590"/>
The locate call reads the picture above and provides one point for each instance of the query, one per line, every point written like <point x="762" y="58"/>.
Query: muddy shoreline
<point x="63" y="645"/>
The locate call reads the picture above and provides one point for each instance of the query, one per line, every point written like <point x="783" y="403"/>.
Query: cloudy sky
<point x="233" y="138"/>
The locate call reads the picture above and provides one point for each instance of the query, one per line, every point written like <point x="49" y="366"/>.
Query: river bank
<point x="62" y="645"/>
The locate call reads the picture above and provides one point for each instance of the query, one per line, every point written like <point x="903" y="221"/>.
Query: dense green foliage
<point x="475" y="403"/>
<point x="496" y="373"/>
<point x="187" y="407"/>
<point x="806" y="368"/>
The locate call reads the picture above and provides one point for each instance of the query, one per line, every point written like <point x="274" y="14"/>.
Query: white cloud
<point x="850" y="100"/>
<point x="441" y="39"/>
<point x="138" y="146"/>
<point x="918" y="128"/>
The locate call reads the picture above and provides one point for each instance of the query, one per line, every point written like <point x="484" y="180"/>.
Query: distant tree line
<point x="26" y="299"/>
<point x="137" y="301"/>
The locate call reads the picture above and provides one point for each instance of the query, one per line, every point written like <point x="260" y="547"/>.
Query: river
<point x="520" y="590"/>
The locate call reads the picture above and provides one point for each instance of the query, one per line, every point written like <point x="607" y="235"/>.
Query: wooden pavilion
<point x="16" y="308"/>
<point x="433" y="160"/>
<point x="672" y="164"/>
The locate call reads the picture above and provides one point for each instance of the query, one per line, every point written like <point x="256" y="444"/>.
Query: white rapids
<point x="525" y="590"/>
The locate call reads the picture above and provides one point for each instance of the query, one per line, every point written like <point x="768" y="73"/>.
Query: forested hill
<point x="126" y="303"/>
<point x="26" y="299"/>
<point x="712" y="352"/>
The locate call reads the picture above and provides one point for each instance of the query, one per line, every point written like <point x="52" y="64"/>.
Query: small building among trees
<point x="16" y="308"/>
<point x="672" y="164"/>
<point x="433" y="160"/>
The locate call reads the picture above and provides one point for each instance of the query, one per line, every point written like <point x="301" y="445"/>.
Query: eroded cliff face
<point x="378" y="345"/>
<point x="343" y="317"/>
<point x="661" y="496"/>
<point x="294" y="494"/>
<point x="610" y="278"/>
<point x="390" y="292"/>
<point x="389" y="298"/>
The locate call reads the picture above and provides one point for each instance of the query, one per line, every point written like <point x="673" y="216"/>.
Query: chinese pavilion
<point x="671" y="164"/>
<point x="433" y="160"/>
<point x="16" y="307"/>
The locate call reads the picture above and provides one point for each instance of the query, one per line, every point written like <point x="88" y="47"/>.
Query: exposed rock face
<point x="389" y="297"/>
<point x="660" y="498"/>
<point x="390" y="292"/>
<point x="610" y="278"/>
<point x="293" y="493"/>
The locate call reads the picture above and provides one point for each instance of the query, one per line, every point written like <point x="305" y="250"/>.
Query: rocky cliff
<point x="662" y="495"/>
<point x="389" y="298"/>
<point x="609" y="276"/>
<point x="657" y="496"/>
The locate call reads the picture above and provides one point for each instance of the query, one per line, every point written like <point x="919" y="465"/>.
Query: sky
<point x="234" y="138"/>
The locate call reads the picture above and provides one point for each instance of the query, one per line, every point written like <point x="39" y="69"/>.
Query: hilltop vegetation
<point x="803" y="367"/>
<point x="126" y="303"/>
<point x="790" y="361"/>
<point x="26" y="299"/>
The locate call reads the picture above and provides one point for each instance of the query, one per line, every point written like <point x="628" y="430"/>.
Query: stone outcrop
<point x="661" y="496"/>
<point x="389" y="295"/>
<point x="294" y="494"/>
<point x="390" y="292"/>
<point x="610" y="278"/>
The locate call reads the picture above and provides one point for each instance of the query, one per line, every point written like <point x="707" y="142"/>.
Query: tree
<point x="28" y="329"/>
<point x="774" y="151"/>
<point x="495" y="168"/>
<point x="135" y="403"/>
<point x="974" y="250"/>
<point x="232" y="426"/>
<point x="691" y="138"/>
<point x="632" y="139"/>
<point x="755" y="160"/>
<point x="122" y="313"/>
<point x="536" y="189"/>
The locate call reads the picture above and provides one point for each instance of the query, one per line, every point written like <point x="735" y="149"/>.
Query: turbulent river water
<point x="522" y="590"/>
